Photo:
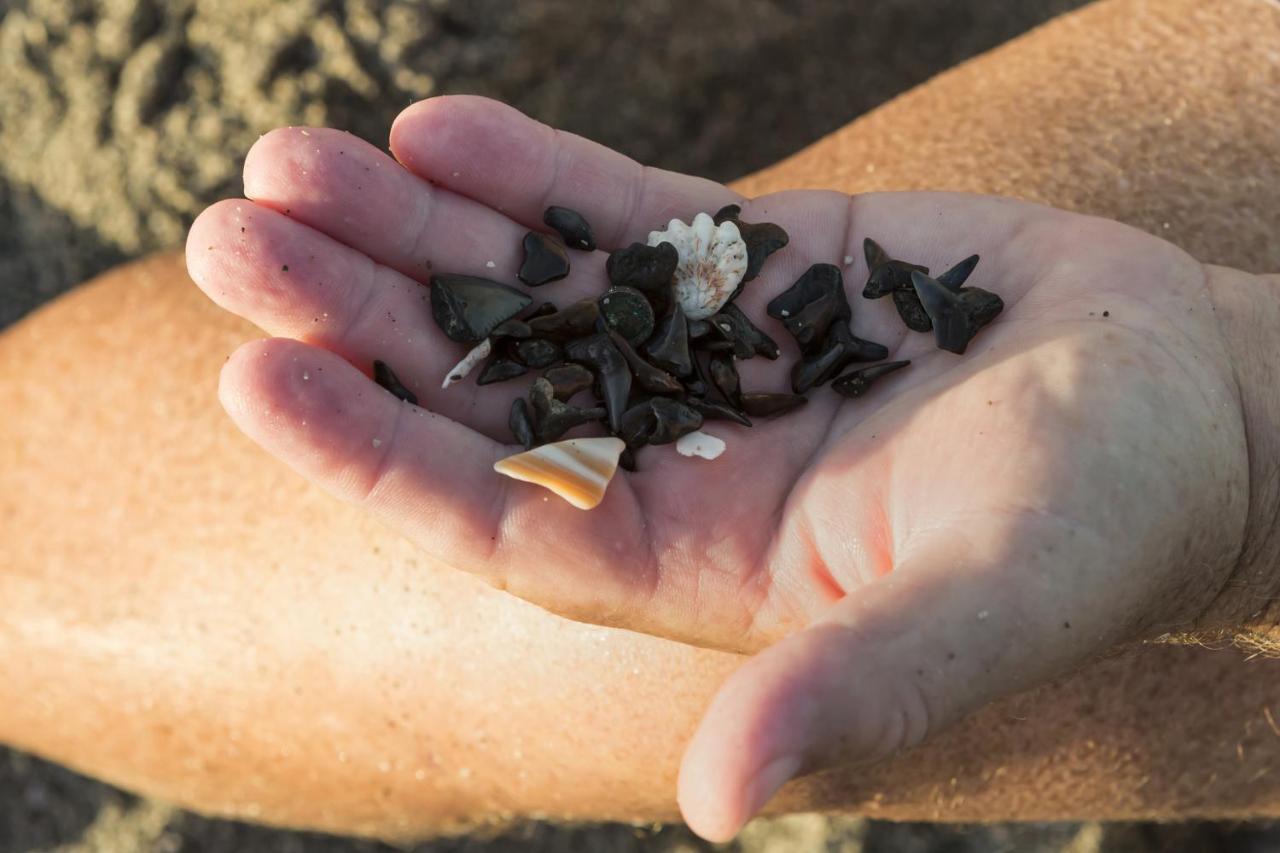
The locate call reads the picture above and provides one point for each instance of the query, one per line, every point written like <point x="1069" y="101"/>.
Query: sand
<point x="121" y="119"/>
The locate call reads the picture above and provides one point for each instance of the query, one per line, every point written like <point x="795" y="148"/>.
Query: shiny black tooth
<point x="499" y="368"/>
<point x="626" y="310"/>
<point x="669" y="346"/>
<point x="568" y="380"/>
<point x="809" y="325"/>
<point x="713" y="410"/>
<point x="724" y="376"/>
<point x="733" y="326"/>
<point x="858" y="382"/>
<point x="760" y="342"/>
<point x="673" y="419"/>
<point x="572" y="321"/>
<point x="885" y="275"/>
<point x="551" y="417"/>
<point x="651" y="379"/>
<point x="467" y="308"/>
<point x="767" y="405"/>
<point x="610" y="367"/>
<point x="386" y="377"/>
<point x="648" y="269"/>
<point x="537" y="353"/>
<point x="545" y="260"/>
<point x="513" y="328"/>
<point x="571" y="226"/>
<point x="913" y="315"/>
<point x="957" y="315"/>
<point x="762" y="240"/>
<point x="812" y="305"/>
<point x="637" y="425"/>
<point x="842" y="349"/>
<point x="520" y="424"/>
<point x="954" y="278"/>
<point x="856" y="348"/>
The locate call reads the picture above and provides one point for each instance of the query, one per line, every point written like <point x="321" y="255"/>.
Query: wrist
<point x="1247" y="308"/>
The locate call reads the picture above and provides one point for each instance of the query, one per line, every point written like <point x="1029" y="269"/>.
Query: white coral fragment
<point x="468" y="363"/>
<point x="713" y="260"/>
<point x="698" y="443"/>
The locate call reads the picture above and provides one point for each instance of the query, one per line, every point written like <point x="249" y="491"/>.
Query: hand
<point x="973" y="526"/>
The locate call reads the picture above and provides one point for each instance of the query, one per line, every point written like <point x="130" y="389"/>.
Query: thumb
<point x="889" y="665"/>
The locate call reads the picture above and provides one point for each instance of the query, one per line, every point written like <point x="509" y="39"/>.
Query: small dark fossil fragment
<point x="536" y="353"/>
<point x="545" y="260"/>
<point x="762" y="239"/>
<point x="572" y="321"/>
<point x="626" y="310"/>
<point x="713" y="410"/>
<point x="568" y="380"/>
<point x="671" y="420"/>
<point x="612" y="374"/>
<point x="553" y="418"/>
<point x="571" y="226"/>
<point x="648" y="269"/>
<point x="669" y="346"/>
<point x="386" y="377"/>
<point x="467" y="308"/>
<point x="842" y="348"/>
<point x="766" y="405"/>
<point x="724" y="376"/>
<point x="858" y="382"/>
<point x="957" y="315"/>
<point x="888" y="276"/>
<point x="520" y="423"/>
<point x="499" y="368"/>
<point x="748" y="341"/>
<point x="652" y="379"/>
<point x="811" y="306"/>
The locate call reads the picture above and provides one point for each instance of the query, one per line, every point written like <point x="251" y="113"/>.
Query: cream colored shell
<point x="713" y="260"/>
<point x="577" y="469"/>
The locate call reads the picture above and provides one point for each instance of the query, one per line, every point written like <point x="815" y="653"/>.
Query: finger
<point x="496" y="155"/>
<point x="342" y="186"/>
<point x="890" y="665"/>
<point x="292" y="281"/>
<point x="433" y="479"/>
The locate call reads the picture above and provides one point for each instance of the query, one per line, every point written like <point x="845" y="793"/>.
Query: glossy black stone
<point x="545" y="260"/>
<point x="748" y="340"/>
<point x="627" y="311"/>
<point x="648" y="269"/>
<point x="572" y="321"/>
<point x="571" y="226"/>
<point x="568" y="380"/>
<point x="767" y="405"/>
<point x="553" y="418"/>
<point x="669" y="346"/>
<point x="713" y="410"/>
<point x="520" y="424"/>
<point x="499" y="368"/>
<point x="724" y="376"/>
<point x="537" y="353"/>
<point x="653" y="380"/>
<point x="467" y="308"/>
<point x="858" y="382"/>
<point x="386" y="377"/>
<point x="610" y="367"/>
<point x="513" y="328"/>
<point x="672" y="419"/>
<point x="762" y="239"/>
<point x="957" y="315"/>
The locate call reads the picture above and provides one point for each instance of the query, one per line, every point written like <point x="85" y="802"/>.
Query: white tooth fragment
<point x="699" y="443"/>
<point x="468" y="363"/>
<point x="577" y="469"/>
<point x="713" y="260"/>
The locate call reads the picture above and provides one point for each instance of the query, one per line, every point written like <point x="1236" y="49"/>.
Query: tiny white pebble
<point x="490" y="264"/>
<point x="848" y="259"/>
<point x="698" y="443"/>
<point x="377" y="442"/>
<point x="305" y="376"/>
<point x="982" y="615"/>
<point x="304" y="133"/>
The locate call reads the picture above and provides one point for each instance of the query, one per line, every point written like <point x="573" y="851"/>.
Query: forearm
<point x="1248" y="311"/>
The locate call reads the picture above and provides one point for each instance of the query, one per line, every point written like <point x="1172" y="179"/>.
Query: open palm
<point x="972" y="525"/>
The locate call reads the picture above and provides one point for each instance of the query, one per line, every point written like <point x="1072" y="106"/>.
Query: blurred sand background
<point x="121" y="119"/>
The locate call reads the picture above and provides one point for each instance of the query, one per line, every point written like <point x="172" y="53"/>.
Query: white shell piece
<point x="468" y="363"/>
<point x="713" y="260"/>
<point x="576" y="469"/>
<point x="699" y="443"/>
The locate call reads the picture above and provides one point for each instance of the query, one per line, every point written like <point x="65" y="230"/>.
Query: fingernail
<point x="766" y="783"/>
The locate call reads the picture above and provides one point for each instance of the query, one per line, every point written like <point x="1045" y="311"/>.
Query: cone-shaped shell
<point x="578" y="469"/>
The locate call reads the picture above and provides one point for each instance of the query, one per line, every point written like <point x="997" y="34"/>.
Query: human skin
<point x="1246" y="308"/>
